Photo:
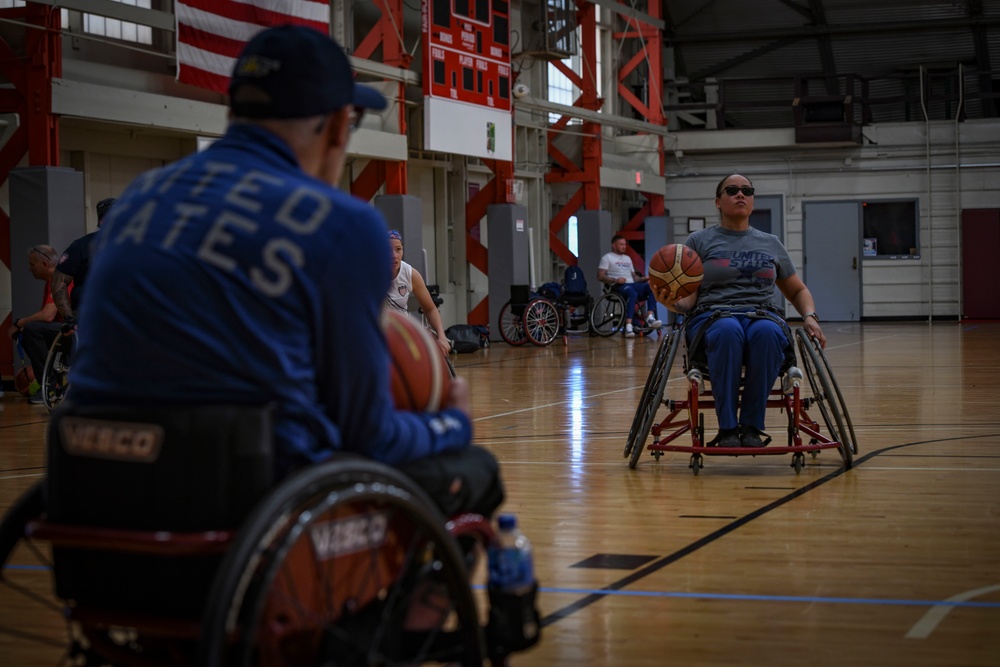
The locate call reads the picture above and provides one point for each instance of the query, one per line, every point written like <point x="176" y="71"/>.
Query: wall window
<point x="891" y="229"/>
<point x="118" y="29"/>
<point x="573" y="235"/>
<point x="561" y="89"/>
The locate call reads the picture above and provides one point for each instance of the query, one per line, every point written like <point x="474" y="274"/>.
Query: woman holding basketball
<point x="406" y="280"/>
<point x="732" y="316"/>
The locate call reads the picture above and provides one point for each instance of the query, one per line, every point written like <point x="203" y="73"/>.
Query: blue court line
<point x="720" y="596"/>
<point x="768" y="598"/>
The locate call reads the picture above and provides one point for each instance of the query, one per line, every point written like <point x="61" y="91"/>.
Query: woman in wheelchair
<point x="406" y="281"/>
<point x="731" y="321"/>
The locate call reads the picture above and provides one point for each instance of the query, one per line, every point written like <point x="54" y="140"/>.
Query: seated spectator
<point x="616" y="269"/>
<point x="39" y="329"/>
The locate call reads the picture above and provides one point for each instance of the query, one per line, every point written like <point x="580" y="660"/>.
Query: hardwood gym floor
<point x="894" y="562"/>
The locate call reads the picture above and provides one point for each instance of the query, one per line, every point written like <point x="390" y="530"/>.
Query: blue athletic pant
<point x="731" y="343"/>
<point x="633" y="292"/>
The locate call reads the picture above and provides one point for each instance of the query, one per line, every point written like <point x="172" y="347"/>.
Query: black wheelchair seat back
<point x="181" y="469"/>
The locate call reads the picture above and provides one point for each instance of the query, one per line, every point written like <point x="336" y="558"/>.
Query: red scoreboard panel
<point x="466" y="47"/>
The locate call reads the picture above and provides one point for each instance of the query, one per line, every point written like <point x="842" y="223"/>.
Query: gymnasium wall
<point x="959" y="167"/>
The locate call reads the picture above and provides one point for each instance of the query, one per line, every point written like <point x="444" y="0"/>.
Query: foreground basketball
<point x="418" y="373"/>
<point x="677" y="267"/>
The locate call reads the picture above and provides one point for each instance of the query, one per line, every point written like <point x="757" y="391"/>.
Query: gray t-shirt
<point x="740" y="267"/>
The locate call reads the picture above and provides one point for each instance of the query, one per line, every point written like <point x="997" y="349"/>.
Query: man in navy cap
<point x="242" y="274"/>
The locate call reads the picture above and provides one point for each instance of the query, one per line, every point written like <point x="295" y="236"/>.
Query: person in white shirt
<point x="406" y="280"/>
<point x="616" y="269"/>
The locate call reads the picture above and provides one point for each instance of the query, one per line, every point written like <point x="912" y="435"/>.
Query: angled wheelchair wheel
<point x="826" y="395"/>
<point x="511" y="326"/>
<point x="840" y="399"/>
<point x="662" y="351"/>
<point x="541" y="322"/>
<point x="652" y="396"/>
<point x="346" y="563"/>
<point x="51" y="638"/>
<point x="451" y="366"/>
<point x="608" y="314"/>
<point x="55" y="377"/>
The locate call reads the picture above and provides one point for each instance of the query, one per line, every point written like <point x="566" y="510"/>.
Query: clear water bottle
<point x="510" y="562"/>
<point x="514" y="621"/>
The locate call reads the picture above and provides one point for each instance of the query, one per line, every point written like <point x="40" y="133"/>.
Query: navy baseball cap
<point x="292" y="71"/>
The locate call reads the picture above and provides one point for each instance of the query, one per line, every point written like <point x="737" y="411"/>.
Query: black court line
<point x="19" y="425"/>
<point x="588" y="600"/>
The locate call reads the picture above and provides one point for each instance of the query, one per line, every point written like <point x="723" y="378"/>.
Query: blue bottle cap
<point x="507" y="521"/>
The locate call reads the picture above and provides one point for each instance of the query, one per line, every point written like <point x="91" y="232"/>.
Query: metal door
<point x="769" y="216"/>
<point x="980" y="270"/>
<point x="832" y="258"/>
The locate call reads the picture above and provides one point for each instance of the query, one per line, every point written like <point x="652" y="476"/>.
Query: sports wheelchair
<point x="529" y="316"/>
<point x="551" y="312"/>
<point x="171" y="546"/>
<point x="687" y="415"/>
<point x="607" y="317"/>
<point x="55" y="377"/>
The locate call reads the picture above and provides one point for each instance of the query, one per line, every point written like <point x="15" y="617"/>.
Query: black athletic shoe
<point x="751" y="437"/>
<point x="728" y="437"/>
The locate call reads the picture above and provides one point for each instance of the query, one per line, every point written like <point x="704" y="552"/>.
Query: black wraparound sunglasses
<point x="731" y="190"/>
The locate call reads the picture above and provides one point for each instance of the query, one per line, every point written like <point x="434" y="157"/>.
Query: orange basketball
<point x="677" y="267"/>
<point x="418" y="373"/>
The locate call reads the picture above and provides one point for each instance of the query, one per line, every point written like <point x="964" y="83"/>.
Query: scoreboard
<point x="467" y="77"/>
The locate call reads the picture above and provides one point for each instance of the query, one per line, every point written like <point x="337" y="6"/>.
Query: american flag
<point x="210" y="33"/>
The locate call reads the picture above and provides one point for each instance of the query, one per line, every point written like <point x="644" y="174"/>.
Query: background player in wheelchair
<point x="732" y="314"/>
<point x="406" y="281"/>
<point x="616" y="270"/>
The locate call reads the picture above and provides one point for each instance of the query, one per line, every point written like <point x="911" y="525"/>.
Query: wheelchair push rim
<point x="608" y="315"/>
<point x="652" y="396"/>
<point x="511" y="326"/>
<point x="355" y="609"/>
<point x="541" y="322"/>
<point x="55" y="377"/>
<point x="828" y="399"/>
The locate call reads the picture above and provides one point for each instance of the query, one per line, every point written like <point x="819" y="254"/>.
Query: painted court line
<point x="957" y="601"/>
<point x="925" y="626"/>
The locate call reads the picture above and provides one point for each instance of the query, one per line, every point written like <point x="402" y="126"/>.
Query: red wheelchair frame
<point x="687" y="415"/>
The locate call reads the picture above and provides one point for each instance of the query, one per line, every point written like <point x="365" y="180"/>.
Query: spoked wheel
<point x="348" y="565"/>
<point x="826" y="396"/>
<point x="541" y="321"/>
<point x="840" y="398"/>
<point x="662" y="351"/>
<point x="49" y="639"/>
<point x="55" y="377"/>
<point x="652" y="396"/>
<point x="511" y="326"/>
<point x="608" y="315"/>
